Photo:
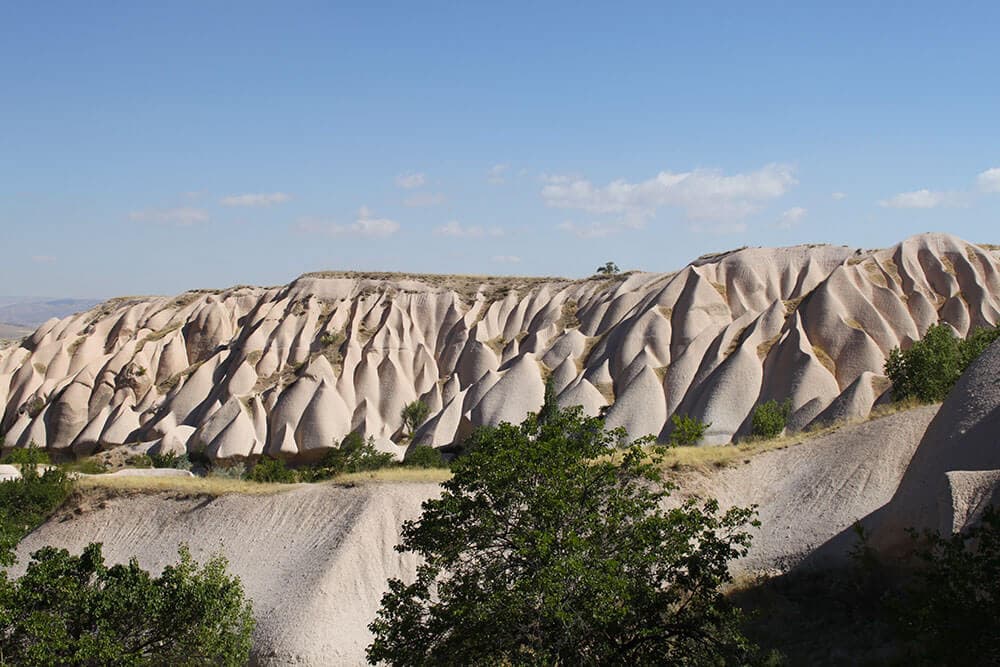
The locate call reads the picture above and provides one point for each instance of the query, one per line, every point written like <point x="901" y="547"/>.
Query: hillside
<point x="290" y="370"/>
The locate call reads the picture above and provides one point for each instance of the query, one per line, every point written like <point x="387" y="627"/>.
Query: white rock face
<point x="291" y="370"/>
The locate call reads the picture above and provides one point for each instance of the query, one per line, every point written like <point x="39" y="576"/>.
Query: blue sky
<point x="155" y="149"/>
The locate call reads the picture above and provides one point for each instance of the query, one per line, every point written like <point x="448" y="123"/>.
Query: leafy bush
<point x="952" y="608"/>
<point x="543" y="550"/>
<point x="32" y="454"/>
<point x="74" y="610"/>
<point x="87" y="466"/>
<point x="932" y="366"/>
<point x="424" y="457"/>
<point x="354" y="455"/>
<point x="687" y="430"/>
<point x="35" y="406"/>
<point x="171" y="460"/>
<point x="770" y="418"/>
<point x="414" y="415"/>
<point x="139" y="461"/>
<point x="271" y="470"/>
<point x="236" y="470"/>
<point x="27" y="502"/>
<point x="609" y="269"/>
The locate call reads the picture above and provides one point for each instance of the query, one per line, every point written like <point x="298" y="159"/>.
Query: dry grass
<point x="393" y="475"/>
<point x="209" y="486"/>
<point x="707" y="457"/>
<point x="220" y="486"/>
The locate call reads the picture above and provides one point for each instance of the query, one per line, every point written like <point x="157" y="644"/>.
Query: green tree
<point x="687" y="430"/>
<point x="545" y="549"/>
<point x="929" y="369"/>
<point x="413" y="415"/>
<point x="270" y="470"/>
<point x="424" y="457"/>
<point x="933" y="364"/>
<point x="609" y="269"/>
<point x="74" y="610"/>
<point x="770" y="418"/>
<point x="951" y="608"/>
<point x="27" y="502"/>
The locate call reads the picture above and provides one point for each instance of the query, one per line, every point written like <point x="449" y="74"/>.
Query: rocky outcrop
<point x="955" y="472"/>
<point x="290" y="370"/>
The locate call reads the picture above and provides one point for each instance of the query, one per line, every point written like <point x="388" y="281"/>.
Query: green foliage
<point x="139" y="461"/>
<point x="932" y="366"/>
<point x="414" y="415"/>
<point x="331" y="339"/>
<point x="27" y="502"/>
<point x="32" y="454"/>
<point x="952" y="608"/>
<point x="353" y="441"/>
<point x="424" y="457"/>
<point x="35" y="406"/>
<point x="171" y="460"/>
<point x="687" y="430"/>
<point x="87" y="466"/>
<point x="74" y="610"/>
<point x="271" y="470"/>
<point x="770" y="418"/>
<point x="609" y="269"/>
<point x="542" y="549"/>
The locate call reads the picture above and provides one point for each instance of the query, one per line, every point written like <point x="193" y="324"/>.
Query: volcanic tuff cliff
<point x="290" y="370"/>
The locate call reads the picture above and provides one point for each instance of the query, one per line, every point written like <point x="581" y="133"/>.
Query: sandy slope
<point x="811" y="492"/>
<point x="290" y="370"/>
<point x="314" y="559"/>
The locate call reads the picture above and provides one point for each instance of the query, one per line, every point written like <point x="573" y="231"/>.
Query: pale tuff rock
<point x="955" y="472"/>
<point x="291" y="370"/>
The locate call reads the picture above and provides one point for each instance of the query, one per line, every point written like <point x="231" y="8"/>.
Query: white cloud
<point x="43" y="259"/>
<point x="839" y="195"/>
<point x="702" y="194"/>
<point x="366" y="226"/>
<point x="182" y="217"/>
<point x="423" y="199"/>
<point x="255" y="199"/>
<point x="593" y="230"/>
<point x="989" y="180"/>
<point x="497" y="174"/>
<point x="411" y="180"/>
<point x="458" y="230"/>
<point x="916" y="199"/>
<point x="791" y="217"/>
<point x="507" y="259"/>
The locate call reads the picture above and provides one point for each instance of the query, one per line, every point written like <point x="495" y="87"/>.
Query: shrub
<point x="237" y="470"/>
<point x="26" y="502"/>
<point x="609" y="269"/>
<point x="74" y="610"/>
<point x="952" y="606"/>
<point x="35" y="406"/>
<point x="687" y="430"/>
<point x="414" y="415"/>
<point x="424" y="457"/>
<point x="171" y="460"/>
<point x="139" y="461"/>
<point x="32" y="454"/>
<point x="271" y="470"/>
<point x="932" y="366"/>
<point x="770" y="418"/>
<point x="543" y="550"/>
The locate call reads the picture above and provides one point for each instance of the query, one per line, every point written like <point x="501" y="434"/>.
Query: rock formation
<point x="290" y="370"/>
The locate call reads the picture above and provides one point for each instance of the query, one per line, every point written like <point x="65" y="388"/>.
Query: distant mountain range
<point x="28" y="312"/>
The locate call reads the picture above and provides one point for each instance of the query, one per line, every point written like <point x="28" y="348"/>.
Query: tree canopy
<point x="548" y="547"/>
<point x="75" y="610"/>
<point x="931" y="367"/>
